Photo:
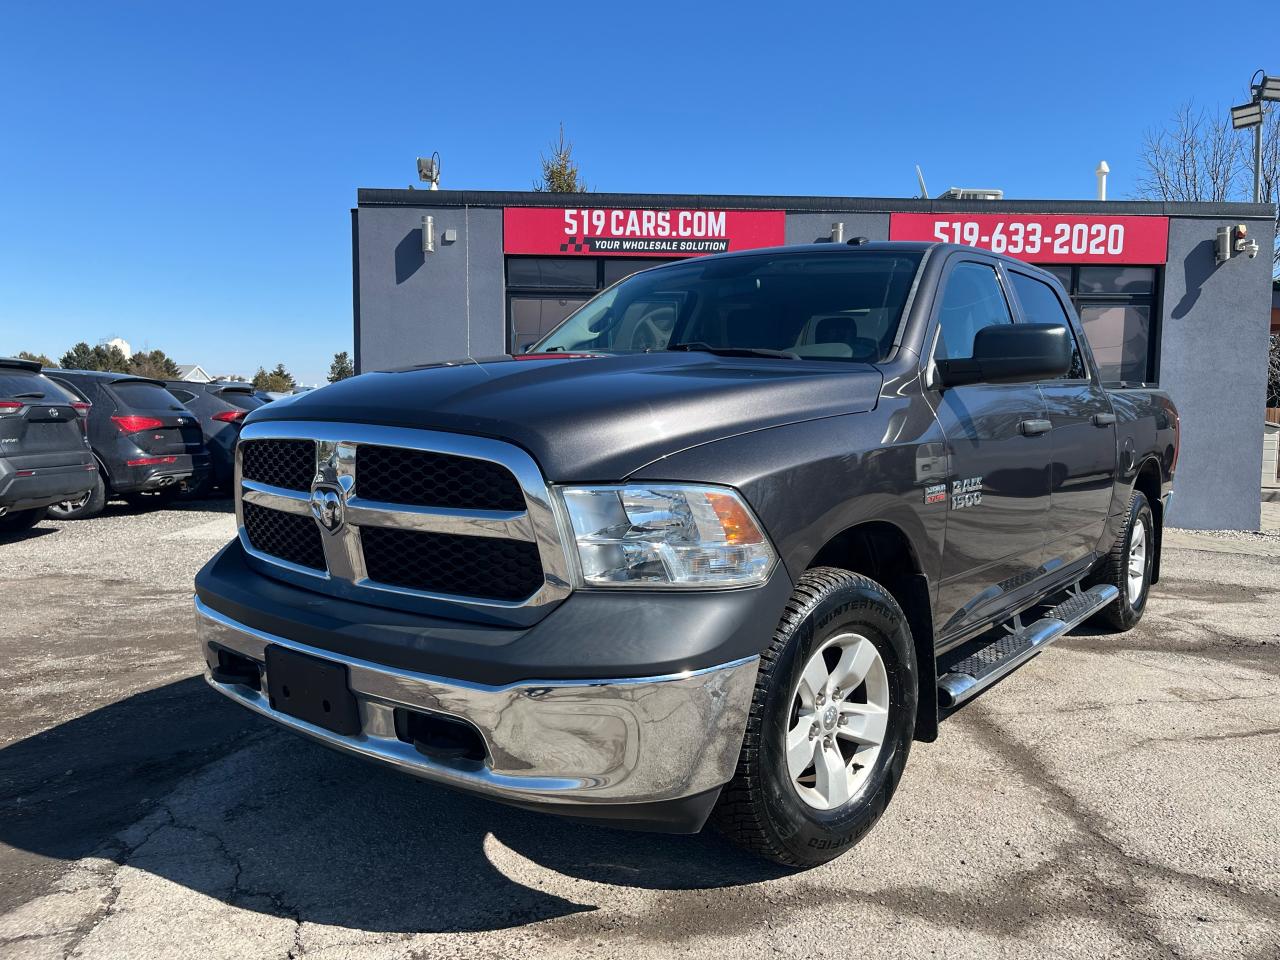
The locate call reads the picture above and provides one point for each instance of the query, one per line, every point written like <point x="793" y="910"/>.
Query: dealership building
<point x="446" y="274"/>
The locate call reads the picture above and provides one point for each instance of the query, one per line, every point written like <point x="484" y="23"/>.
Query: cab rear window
<point x="139" y="395"/>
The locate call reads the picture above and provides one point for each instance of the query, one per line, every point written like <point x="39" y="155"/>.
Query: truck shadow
<point x="179" y="783"/>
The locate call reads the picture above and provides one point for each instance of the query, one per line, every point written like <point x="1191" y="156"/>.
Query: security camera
<point x="1232" y="240"/>
<point x="1243" y="243"/>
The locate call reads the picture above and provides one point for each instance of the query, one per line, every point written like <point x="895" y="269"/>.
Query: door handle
<point x="1033" y="428"/>
<point x="1103" y="419"/>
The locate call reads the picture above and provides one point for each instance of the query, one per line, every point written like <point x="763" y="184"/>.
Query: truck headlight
<point x="663" y="535"/>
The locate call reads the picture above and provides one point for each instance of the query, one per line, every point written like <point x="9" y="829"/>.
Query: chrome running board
<point x="978" y="670"/>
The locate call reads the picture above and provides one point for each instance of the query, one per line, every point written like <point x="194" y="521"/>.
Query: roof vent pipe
<point x="1101" y="174"/>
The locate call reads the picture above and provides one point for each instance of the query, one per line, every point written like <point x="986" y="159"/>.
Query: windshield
<point x="836" y="305"/>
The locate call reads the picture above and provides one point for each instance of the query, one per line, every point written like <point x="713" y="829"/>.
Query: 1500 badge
<point x="966" y="493"/>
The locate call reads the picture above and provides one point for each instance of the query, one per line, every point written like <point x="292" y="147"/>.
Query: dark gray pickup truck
<point x="721" y="546"/>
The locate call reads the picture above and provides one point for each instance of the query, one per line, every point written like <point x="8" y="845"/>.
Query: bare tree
<point x="1270" y="162"/>
<point x="1273" y="372"/>
<point x="1199" y="157"/>
<point x="1196" y="157"/>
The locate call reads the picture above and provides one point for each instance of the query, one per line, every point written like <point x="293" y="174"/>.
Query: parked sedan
<point x="220" y="406"/>
<point x="44" y="454"/>
<point x="147" y="444"/>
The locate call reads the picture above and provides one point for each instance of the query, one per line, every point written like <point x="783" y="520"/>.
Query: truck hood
<point x="599" y="417"/>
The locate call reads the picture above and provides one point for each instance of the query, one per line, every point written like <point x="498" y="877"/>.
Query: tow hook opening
<point x="442" y="738"/>
<point x="236" y="668"/>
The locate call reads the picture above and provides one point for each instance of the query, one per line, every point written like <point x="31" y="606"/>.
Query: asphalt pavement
<point x="1118" y="797"/>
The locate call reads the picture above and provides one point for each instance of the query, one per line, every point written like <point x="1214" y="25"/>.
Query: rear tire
<point x="1128" y="568"/>
<point x="838" y="628"/>
<point x="90" y="505"/>
<point x="21" y="520"/>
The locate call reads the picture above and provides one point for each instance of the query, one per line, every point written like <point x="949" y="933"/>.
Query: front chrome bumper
<point x="567" y="743"/>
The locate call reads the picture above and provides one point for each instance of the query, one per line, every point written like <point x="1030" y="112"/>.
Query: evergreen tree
<point x="341" y="367"/>
<point x="154" y="364"/>
<point x="278" y="380"/>
<point x="560" y="172"/>
<point x="84" y="357"/>
<point x="79" y="357"/>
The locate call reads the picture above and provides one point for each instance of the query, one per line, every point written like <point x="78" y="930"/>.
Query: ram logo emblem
<point x="327" y="507"/>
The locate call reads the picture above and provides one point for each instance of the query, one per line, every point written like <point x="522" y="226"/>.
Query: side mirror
<point x="1011" y="353"/>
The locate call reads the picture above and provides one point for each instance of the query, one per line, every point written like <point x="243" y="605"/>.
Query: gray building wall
<point x="1213" y="363"/>
<point x="816" y="227"/>
<point x="417" y="308"/>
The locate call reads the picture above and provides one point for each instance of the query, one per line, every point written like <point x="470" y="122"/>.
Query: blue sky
<point x="181" y="175"/>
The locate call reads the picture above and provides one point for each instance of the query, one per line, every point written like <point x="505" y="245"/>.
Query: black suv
<point x="220" y="406"/>
<point x="44" y="455"/>
<point x="144" y="440"/>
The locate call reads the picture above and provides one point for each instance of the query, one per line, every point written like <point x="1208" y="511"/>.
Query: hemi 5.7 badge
<point x="935" y="493"/>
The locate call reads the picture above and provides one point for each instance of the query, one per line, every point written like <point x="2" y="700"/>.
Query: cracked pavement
<point x="1116" y="797"/>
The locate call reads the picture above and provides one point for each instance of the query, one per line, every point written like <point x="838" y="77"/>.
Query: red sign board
<point x="599" y="231"/>
<point x="1053" y="238"/>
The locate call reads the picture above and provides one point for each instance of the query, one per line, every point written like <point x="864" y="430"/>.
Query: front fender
<point x="809" y="482"/>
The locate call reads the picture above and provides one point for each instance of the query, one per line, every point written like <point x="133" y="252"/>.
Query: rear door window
<point x="141" y="395"/>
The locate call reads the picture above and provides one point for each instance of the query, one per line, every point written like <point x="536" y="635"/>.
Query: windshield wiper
<point x="32" y="395"/>
<point x="700" y="347"/>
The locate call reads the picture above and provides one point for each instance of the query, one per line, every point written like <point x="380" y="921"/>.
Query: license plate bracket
<point x="311" y="689"/>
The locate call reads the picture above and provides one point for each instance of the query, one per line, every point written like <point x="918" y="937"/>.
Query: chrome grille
<point x="281" y="463"/>
<point x="405" y="518"/>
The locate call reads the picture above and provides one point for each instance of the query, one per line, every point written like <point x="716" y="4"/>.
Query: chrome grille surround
<point x="346" y="574"/>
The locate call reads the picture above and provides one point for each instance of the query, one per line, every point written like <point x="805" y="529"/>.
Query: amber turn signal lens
<point x="737" y="523"/>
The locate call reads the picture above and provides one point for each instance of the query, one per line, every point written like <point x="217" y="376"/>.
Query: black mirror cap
<point x="1012" y="353"/>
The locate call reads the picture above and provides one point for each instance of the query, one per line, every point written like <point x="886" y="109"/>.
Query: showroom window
<point x="1117" y="309"/>
<point x="542" y="291"/>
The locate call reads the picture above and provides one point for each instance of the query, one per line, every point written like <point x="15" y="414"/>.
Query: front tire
<point x="1128" y="568"/>
<point x="830" y="725"/>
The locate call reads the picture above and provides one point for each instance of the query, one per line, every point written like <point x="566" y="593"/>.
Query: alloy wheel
<point x="77" y="503"/>
<point x="839" y="716"/>
<point x="1137" y="574"/>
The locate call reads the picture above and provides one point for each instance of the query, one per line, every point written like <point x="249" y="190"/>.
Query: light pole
<point x="1264" y="89"/>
